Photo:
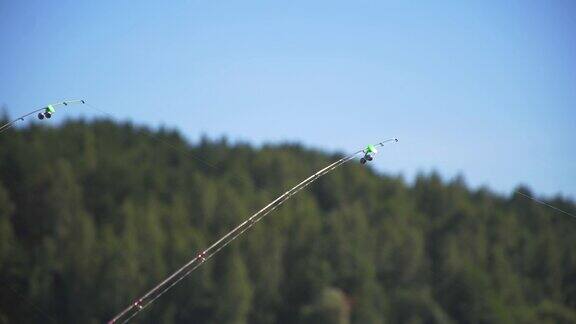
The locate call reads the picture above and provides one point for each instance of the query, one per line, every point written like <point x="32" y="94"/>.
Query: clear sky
<point x="486" y="89"/>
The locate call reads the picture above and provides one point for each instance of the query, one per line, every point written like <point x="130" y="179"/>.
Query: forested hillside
<point x="92" y="214"/>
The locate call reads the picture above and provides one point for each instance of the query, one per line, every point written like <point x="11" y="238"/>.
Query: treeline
<point x="92" y="214"/>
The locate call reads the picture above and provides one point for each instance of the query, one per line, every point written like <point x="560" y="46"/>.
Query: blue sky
<point x="483" y="89"/>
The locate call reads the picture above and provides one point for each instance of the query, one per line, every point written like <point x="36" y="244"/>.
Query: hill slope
<point x="93" y="214"/>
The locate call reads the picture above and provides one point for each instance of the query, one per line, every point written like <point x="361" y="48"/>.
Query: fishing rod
<point x="149" y="297"/>
<point x="44" y="112"/>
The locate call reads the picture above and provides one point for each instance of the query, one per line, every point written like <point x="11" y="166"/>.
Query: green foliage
<point x="331" y="306"/>
<point x="94" y="214"/>
<point x="6" y="232"/>
<point x="232" y="289"/>
<point x="550" y="312"/>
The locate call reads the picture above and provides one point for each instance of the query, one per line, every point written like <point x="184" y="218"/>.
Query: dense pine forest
<point x="93" y="214"/>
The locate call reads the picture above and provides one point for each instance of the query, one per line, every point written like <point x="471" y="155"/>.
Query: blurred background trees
<point x="92" y="214"/>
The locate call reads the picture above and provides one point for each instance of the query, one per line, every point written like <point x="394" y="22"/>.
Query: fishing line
<point x="545" y="204"/>
<point x="30" y="303"/>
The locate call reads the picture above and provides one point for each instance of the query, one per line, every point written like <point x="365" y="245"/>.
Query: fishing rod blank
<point x="149" y="297"/>
<point x="44" y="112"/>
